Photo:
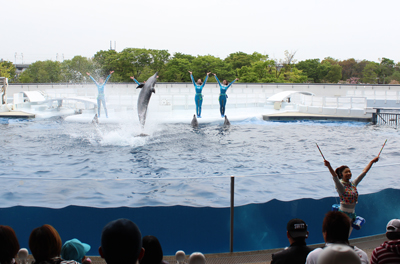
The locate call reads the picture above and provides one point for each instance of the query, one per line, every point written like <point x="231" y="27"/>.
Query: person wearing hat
<point x="74" y="250"/>
<point x="335" y="230"/>
<point x="389" y="251"/>
<point x="121" y="242"/>
<point x="298" y="250"/>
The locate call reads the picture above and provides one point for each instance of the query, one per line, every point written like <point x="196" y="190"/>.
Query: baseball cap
<point x="338" y="254"/>
<point x="74" y="250"/>
<point x="297" y="228"/>
<point x="393" y="226"/>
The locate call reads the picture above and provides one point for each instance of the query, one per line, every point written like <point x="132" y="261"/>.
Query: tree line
<point x="249" y="68"/>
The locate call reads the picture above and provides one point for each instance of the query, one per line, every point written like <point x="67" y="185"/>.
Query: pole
<point x="232" y="211"/>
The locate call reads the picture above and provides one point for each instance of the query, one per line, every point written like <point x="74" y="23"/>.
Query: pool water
<point x="53" y="163"/>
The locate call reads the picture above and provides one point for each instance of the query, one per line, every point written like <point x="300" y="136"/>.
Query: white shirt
<point x="313" y="255"/>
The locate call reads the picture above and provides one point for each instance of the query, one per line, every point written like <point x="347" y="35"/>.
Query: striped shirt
<point x="387" y="253"/>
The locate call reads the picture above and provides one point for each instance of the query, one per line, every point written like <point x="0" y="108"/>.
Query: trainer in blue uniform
<point x="100" y="89"/>
<point x="198" y="98"/>
<point x="136" y="81"/>
<point x="222" y="96"/>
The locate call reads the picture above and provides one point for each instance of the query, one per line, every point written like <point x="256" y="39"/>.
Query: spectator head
<point x="197" y="258"/>
<point x="180" y="256"/>
<point x="153" y="253"/>
<point x="23" y="255"/>
<point x="338" y="254"/>
<point x="336" y="227"/>
<point x="9" y="245"/>
<point x="74" y="250"/>
<point x="45" y="243"/>
<point x="393" y="229"/>
<point x="297" y="229"/>
<point x="121" y="242"/>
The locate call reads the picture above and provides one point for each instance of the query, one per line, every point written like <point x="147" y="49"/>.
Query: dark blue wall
<point x="257" y="226"/>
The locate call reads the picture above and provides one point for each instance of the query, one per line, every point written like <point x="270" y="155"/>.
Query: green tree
<point x="334" y="74"/>
<point x="313" y="69"/>
<point x="348" y="68"/>
<point x="201" y="65"/>
<point x="74" y="70"/>
<point x="259" y="72"/>
<point x="8" y="70"/>
<point x="370" y="73"/>
<point x="386" y="69"/>
<point x="103" y="62"/>
<point x="42" y="72"/>
<point x="240" y="59"/>
<point x="177" y="70"/>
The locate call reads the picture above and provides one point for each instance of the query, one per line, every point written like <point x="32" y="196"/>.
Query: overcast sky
<point x="342" y="29"/>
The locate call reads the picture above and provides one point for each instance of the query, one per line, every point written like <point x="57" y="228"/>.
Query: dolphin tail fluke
<point x="194" y="122"/>
<point x="226" y="122"/>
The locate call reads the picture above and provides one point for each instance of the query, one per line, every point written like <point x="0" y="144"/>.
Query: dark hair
<point x="339" y="171"/>
<point x="153" y="253"/>
<point x="121" y="242"/>
<point x="336" y="226"/>
<point x="9" y="245"/>
<point x="45" y="243"/>
<point x="201" y="81"/>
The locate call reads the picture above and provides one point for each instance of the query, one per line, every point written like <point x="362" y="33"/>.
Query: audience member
<point x="23" y="256"/>
<point x="389" y="251"/>
<point x="335" y="230"/>
<point x="197" y="258"/>
<point x="45" y="245"/>
<point x="180" y="256"/>
<point x="74" y="250"/>
<point x="298" y="250"/>
<point x="121" y="242"/>
<point x="9" y="245"/>
<point x="338" y="254"/>
<point x="153" y="253"/>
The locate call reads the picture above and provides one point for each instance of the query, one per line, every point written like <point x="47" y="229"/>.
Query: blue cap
<point x="74" y="250"/>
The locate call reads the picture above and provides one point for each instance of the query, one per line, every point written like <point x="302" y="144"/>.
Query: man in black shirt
<point x="298" y="250"/>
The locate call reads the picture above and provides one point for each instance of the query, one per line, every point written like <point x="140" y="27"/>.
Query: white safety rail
<point x="339" y="106"/>
<point x="376" y="94"/>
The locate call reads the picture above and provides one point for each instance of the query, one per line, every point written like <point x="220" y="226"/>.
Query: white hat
<point x="393" y="226"/>
<point x="338" y="254"/>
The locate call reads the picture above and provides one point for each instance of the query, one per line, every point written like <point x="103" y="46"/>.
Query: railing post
<point x="232" y="212"/>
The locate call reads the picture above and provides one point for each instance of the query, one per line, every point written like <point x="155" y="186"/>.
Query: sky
<point x="341" y="29"/>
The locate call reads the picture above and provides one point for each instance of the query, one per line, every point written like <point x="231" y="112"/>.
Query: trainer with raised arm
<point x="222" y="96"/>
<point x="100" y="89"/>
<point x="198" y="98"/>
<point x="347" y="189"/>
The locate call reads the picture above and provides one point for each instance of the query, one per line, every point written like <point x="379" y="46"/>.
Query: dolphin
<point x="194" y="122"/>
<point x="144" y="98"/>
<point x="226" y="122"/>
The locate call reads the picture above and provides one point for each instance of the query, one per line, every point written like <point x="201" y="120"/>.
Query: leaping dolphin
<point x="144" y="98"/>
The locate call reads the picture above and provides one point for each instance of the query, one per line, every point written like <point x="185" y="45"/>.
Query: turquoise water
<point x="52" y="163"/>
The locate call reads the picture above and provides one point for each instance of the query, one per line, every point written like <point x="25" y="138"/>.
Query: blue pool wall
<point x="204" y="229"/>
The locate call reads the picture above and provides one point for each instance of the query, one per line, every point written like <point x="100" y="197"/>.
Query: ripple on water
<point x="108" y="165"/>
